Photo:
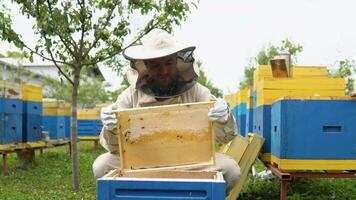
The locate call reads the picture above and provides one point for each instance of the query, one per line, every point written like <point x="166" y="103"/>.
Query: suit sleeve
<point x="224" y="132"/>
<point x="108" y="138"/>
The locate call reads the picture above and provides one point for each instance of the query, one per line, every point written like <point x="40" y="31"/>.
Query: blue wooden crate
<point x="55" y="125"/>
<point x="262" y="125"/>
<point x="234" y="112"/>
<point x="67" y="129"/>
<point x="159" y="189"/>
<point x="10" y="128"/>
<point x="254" y="96"/>
<point x="89" y="127"/>
<point x="32" y="107"/>
<point x="32" y="130"/>
<point x="249" y="121"/>
<point x="314" y="129"/>
<point x="241" y="124"/>
<point x="241" y="109"/>
<point x="13" y="106"/>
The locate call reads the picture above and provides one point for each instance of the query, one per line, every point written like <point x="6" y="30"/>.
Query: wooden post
<point x="284" y="189"/>
<point x="95" y="145"/>
<point x="41" y="152"/>
<point x="26" y="156"/>
<point x="5" y="167"/>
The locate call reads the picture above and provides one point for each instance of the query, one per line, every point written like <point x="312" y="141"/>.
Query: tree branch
<point x="115" y="53"/>
<point x="44" y="57"/>
<point x="83" y="31"/>
<point x="106" y="23"/>
<point x="74" y="54"/>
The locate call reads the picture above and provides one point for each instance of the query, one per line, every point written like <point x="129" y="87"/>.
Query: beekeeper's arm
<point x="108" y="135"/>
<point x="224" y="124"/>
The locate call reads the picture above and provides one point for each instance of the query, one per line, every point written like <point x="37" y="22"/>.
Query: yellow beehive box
<point x="265" y="71"/>
<point x="241" y="96"/>
<point x="101" y="105"/>
<point x="53" y="107"/>
<point x="31" y="93"/>
<point x="249" y="98"/>
<point x="66" y="110"/>
<point x="88" y="114"/>
<point x="267" y="97"/>
<point x="10" y="90"/>
<point x="311" y="83"/>
<point x="231" y="99"/>
<point x="165" y="137"/>
<point x="270" y="89"/>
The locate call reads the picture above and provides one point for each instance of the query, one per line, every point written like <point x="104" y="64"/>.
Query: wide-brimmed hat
<point x="157" y="44"/>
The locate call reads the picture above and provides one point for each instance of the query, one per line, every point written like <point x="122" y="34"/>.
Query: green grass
<point x="50" y="178"/>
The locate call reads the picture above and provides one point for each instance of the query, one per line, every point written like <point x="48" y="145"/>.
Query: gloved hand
<point x="108" y="118"/>
<point x="220" y="111"/>
<point x="353" y="94"/>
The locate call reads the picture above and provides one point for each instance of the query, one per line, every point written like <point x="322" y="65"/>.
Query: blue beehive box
<point x="32" y="130"/>
<point x="314" y="134"/>
<point x="89" y="127"/>
<point x="177" y="186"/>
<point x="249" y="121"/>
<point x="32" y="107"/>
<point x="67" y="120"/>
<point x="241" y="124"/>
<point x="262" y="125"/>
<point x="32" y="121"/>
<point x="10" y="120"/>
<point x="55" y="125"/>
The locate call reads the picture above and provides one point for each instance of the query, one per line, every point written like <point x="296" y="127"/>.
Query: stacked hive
<point x="315" y="133"/>
<point x="32" y="113"/>
<point x="249" y="111"/>
<point x="241" y="97"/>
<point x="305" y="82"/>
<point x="67" y="119"/>
<point x="55" y="113"/>
<point x="89" y="123"/>
<point x="10" y="113"/>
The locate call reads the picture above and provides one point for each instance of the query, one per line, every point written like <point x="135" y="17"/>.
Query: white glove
<point x="220" y="111"/>
<point x="108" y="118"/>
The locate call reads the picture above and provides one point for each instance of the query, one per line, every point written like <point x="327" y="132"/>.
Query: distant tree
<point x="345" y="69"/>
<point x="203" y="79"/>
<point x="265" y="55"/>
<point x="76" y="35"/>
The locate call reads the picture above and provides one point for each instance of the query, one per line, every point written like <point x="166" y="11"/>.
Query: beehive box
<point x="53" y="108"/>
<point x="55" y="126"/>
<point x="270" y="89"/>
<point x="153" y="141"/>
<point x="314" y="134"/>
<point x="32" y="93"/>
<point x="173" y="185"/>
<point x="89" y="127"/>
<point x="262" y="126"/>
<point x="173" y="135"/>
<point x="89" y="114"/>
<point x="10" y="90"/>
<point x="265" y="71"/>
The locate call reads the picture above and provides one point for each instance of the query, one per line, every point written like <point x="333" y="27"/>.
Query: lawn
<point x="50" y="178"/>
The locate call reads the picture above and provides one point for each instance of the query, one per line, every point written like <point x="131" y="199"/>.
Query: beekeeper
<point x="162" y="73"/>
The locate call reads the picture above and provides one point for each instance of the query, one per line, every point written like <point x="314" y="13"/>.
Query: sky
<point x="227" y="33"/>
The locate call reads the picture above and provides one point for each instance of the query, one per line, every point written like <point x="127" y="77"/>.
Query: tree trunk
<point x="73" y="139"/>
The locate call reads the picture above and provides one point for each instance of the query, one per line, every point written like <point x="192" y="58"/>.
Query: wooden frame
<point x="165" y="137"/>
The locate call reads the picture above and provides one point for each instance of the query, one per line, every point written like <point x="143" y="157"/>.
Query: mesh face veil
<point x="186" y="76"/>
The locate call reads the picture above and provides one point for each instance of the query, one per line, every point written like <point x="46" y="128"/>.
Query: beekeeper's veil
<point x="157" y="44"/>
